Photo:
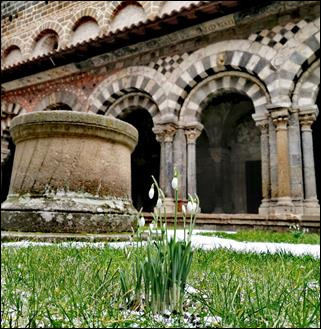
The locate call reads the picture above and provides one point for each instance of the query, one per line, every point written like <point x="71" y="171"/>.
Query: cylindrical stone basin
<point x="71" y="173"/>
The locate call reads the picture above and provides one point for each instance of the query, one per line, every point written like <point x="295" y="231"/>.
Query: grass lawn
<point x="68" y="287"/>
<point x="268" y="236"/>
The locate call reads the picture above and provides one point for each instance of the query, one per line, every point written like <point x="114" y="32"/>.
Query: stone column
<point x="280" y="120"/>
<point x="192" y="133"/>
<point x="180" y="160"/>
<point x="165" y="135"/>
<point x="295" y="161"/>
<point x="311" y="205"/>
<point x="265" y="166"/>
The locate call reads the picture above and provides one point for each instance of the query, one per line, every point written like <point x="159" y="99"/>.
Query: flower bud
<point x="183" y="209"/>
<point x="141" y="222"/>
<point x="190" y="206"/>
<point x="159" y="203"/>
<point x="151" y="192"/>
<point x="175" y="183"/>
<point x="151" y="226"/>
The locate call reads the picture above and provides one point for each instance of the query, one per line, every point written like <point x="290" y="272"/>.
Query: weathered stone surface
<point x="71" y="173"/>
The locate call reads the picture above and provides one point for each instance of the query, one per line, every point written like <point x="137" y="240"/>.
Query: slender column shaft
<point x="191" y="136"/>
<point x="308" y="157"/>
<point x="295" y="156"/>
<point x="180" y="160"/>
<point x="265" y="160"/>
<point x="284" y="188"/>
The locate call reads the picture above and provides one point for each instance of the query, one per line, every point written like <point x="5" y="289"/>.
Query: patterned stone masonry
<point x="166" y="65"/>
<point x="279" y="35"/>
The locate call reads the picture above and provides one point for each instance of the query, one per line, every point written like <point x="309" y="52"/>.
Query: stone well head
<point x="71" y="173"/>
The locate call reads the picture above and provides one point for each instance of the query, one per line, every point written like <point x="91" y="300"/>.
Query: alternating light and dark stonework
<point x="228" y="92"/>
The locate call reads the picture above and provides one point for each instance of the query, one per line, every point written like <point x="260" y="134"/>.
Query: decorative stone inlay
<point x="279" y="35"/>
<point x="71" y="173"/>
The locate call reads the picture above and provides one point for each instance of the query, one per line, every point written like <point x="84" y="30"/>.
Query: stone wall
<point x="23" y="21"/>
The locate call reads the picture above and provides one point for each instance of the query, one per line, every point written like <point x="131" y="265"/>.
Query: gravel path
<point x="198" y="241"/>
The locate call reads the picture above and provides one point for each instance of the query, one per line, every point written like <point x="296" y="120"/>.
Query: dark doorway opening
<point x="6" y="169"/>
<point x="144" y="160"/>
<point x="228" y="156"/>
<point x="253" y="185"/>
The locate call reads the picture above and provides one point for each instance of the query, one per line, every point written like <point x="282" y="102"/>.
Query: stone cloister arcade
<point x="238" y="119"/>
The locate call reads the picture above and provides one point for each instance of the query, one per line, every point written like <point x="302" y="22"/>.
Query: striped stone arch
<point x="306" y="89"/>
<point x="306" y="45"/>
<point x="92" y="12"/>
<point x="69" y="97"/>
<point x="130" y="102"/>
<point x="235" y="55"/>
<point x="224" y="81"/>
<point x="49" y="25"/>
<point x="133" y="79"/>
<point x="8" y="112"/>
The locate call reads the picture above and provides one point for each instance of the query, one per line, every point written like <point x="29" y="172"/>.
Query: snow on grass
<point x="198" y="241"/>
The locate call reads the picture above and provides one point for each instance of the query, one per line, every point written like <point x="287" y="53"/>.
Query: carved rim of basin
<point x="53" y="123"/>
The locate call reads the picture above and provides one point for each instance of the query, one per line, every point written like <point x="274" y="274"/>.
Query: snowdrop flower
<point x="141" y="222"/>
<point x="183" y="209"/>
<point x="175" y="183"/>
<point x="190" y="206"/>
<point x="151" y="192"/>
<point x="152" y="226"/>
<point x="159" y="203"/>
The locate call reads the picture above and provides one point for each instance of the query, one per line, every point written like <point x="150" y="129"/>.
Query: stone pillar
<point x="265" y="166"/>
<point x="165" y="135"/>
<point x="280" y="117"/>
<point x="180" y="160"/>
<point x="273" y="162"/>
<point x="311" y="205"/>
<point x="295" y="161"/>
<point x="192" y="133"/>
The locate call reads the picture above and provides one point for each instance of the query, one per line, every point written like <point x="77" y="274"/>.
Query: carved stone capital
<point x="306" y="120"/>
<point x="280" y="117"/>
<point x="192" y="133"/>
<point x="165" y="133"/>
<point x="263" y="125"/>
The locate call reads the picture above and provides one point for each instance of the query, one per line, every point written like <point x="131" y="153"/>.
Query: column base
<point x="284" y="205"/>
<point x="311" y="207"/>
<point x="264" y="208"/>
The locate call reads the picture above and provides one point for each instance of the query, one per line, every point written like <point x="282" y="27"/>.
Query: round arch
<point x="127" y="103"/>
<point x="140" y="110"/>
<point x="224" y="81"/>
<point x="306" y="89"/>
<point x="91" y="12"/>
<point x="134" y="79"/>
<point x="74" y="100"/>
<point x="239" y="55"/>
<point x="13" y="42"/>
<point x="48" y="26"/>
